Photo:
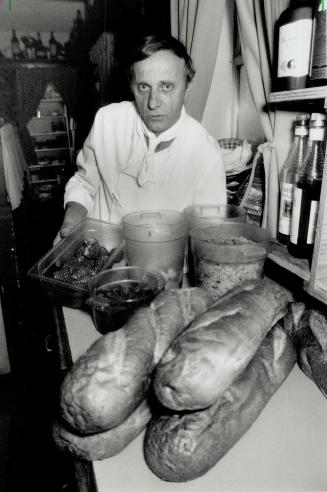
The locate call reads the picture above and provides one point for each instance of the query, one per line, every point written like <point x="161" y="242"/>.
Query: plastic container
<point x="213" y="214"/>
<point x="115" y="294"/>
<point x="226" y="255"/>
<point x="68" y="293"/>
<point x="155" y="239"/>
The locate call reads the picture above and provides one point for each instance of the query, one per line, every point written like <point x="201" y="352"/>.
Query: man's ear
<point x="188" y="87"/>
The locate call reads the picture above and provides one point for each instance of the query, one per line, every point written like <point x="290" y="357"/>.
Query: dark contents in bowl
<point x="86" y="262"/>
<point x="114" y="304"/>
<point x="127" y="291"/>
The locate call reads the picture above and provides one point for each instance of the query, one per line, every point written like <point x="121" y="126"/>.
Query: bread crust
<point x="217" y="346"/>
<point x="307" y="328"/>
<point x="102" y="444"/>
<point x="179" y="447"/>
<point x="109" y="381"/>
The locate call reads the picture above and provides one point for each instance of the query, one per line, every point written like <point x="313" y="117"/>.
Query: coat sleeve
<point x="83" y="185"/>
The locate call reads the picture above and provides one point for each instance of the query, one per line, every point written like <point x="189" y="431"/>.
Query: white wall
<point x="31" y="16"/>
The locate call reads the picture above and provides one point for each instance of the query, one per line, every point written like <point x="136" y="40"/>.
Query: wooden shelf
<point x="47" y="117"/>
<point x="59" y="149"/>
<point x="43" y="166"/>
<point x="320" y="291"/>
<point x="47" y="134"/>
<point x="44" y="181"/>
<point x="279" y="255"/>
<point x="310" y="93"/>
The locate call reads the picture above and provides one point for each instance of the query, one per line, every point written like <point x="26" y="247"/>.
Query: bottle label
<point x="319" y="55"/>
<point x="301" y="131"/>
<point x="294" y="48"/>
<point x="304" y="218"/>
<point x="312" y="222"/>
<point x="297" y="199"/>
<point x="285" y="210"/>
<point x="317" y="134"/>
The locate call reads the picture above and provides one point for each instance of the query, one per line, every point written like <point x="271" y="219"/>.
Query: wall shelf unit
<point x="52" y="133"/>
<point x="314" y="276"/>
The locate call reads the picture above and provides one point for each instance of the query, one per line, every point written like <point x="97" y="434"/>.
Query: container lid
<point x="154" y="225"/>
<point x="214" y="211"/>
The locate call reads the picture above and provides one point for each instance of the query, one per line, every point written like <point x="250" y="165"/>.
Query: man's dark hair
<point x="149" y="44"/>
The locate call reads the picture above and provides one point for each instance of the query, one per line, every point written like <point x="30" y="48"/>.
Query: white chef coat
<point x="122" y="170"/>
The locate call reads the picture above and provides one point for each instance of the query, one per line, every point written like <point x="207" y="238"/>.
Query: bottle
<point x="40" y="50"/>
<point x="79" y="21"/>
<point x="28" y="47"/>
<point x="289" y="175"/>
<point x="73" y="33"/>
<point x="318" y="70"/>
<point x="294" y="29"/>
<point x="307" y="192"/>
<point x="53" y="46"/>
<point x="15" y="46"/>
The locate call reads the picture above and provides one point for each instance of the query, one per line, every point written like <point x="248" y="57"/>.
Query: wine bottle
<point x="294" y="45"/>
<point x="318" y="71"/>
<point x="15" y="46"/>
<point x="307" y="192"/>
<point x="40" y="49"/>
<point x="53" y="46"/>
<point x="289" y="174"/>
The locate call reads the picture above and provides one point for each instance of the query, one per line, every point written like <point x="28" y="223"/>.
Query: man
<point x="148" y="154"/>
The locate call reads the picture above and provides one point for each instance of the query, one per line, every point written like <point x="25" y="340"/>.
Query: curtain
<point x="197" y="24"/>
<point x="101" y="55"/>
<point x="256" y="23"/>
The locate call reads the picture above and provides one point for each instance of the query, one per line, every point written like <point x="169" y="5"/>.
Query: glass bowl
<point x="115" y="294"/>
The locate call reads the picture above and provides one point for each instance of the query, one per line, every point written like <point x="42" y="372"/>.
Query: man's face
<point x="160" y="88"/>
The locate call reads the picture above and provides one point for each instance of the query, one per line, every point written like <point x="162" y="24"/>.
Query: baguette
<point x="108" y="382"/>
<point x="181" y="447"/>
<point x="205" y="360"/>
<point x="307" y="327"/>
<point x="103" y="444"/>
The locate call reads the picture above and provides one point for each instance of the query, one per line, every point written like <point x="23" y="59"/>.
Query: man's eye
<point x="143" y="87"/>
<point x="167" y="86"/>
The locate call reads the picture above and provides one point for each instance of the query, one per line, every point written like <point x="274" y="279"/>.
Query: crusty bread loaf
<point x="108" y="382"/>
<point x="180" y="447"/>
<point x="308" y="329"/>
<point x="102" y="444"/>
<point x="207" y="357"/>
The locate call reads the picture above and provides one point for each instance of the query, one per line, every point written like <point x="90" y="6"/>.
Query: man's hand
<point x="75" y="212"/>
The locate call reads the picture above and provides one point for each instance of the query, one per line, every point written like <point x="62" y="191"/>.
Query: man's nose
<point x="154" y="99"/>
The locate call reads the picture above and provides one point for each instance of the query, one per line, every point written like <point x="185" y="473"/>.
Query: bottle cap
<point x="302" y="120"/>
<point x="318" y="117"/>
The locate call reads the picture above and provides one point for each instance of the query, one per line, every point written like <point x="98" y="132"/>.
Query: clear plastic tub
<point x="226" y="255"/>
<point x="155" y="239"/>
<point x="209" y="215"/>
<point x="115" y="294"/>
<point x="73" y="293"/>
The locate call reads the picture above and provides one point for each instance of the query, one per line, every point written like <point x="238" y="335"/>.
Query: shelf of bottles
<point x="36" y="47"/>
<point x="301" y="85"/>
<point x="52" y="134"/>
<point x="313" y="271"/>
<point x="309" y="93"/>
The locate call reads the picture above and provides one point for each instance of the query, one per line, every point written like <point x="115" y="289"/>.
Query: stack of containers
<point x="156" y="239"/>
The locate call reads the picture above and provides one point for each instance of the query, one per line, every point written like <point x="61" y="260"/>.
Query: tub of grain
<point x="226" y="255"/>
